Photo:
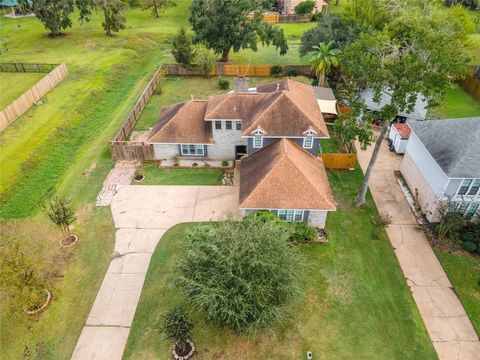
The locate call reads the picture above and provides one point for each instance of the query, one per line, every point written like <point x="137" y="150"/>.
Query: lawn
<point x="356" y="304"/>
<point x="458" y="104"/>
<point x="178" y="89"/>
<point x="12" y="85"/>
<point x="181" y="176"/>
<point x="463" y="271"/>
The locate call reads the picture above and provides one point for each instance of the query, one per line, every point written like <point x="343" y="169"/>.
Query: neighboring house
<point x="442" y="163"/>
<point x="419" y="111"/>
<point x="277" y="129"/>
<point x="288" y="6"/>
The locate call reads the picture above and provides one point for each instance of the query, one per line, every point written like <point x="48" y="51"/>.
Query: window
<point x="258" y="141"/>
<point x="473" y="208"/>
<point x="218" y="125"/>
<point x="238" y="125"/>
<point x="308" y="142"/>
<point x="228" y="125"/>
<point x="475" y="187"/>
<point x="453" y="206"/>
<point x="463" y="207"/>
<point x="291" y="215"/>
<point x="193" y="150"/>
<point x="464" y="188"/>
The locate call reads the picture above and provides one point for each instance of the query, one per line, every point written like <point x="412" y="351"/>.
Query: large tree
<point x="322" y="59"/>
<point x="223" y="25"/>
<point x="418" y="54"/>
<point x="114" y="15"/>
<point x="241" y="274"/>
<point x="158" y="6"/>
<point x="54" y="14"/>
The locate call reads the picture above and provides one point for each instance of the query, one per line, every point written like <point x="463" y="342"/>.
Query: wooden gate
<point x="129" y="150"/>
<point x="339" y="161"/>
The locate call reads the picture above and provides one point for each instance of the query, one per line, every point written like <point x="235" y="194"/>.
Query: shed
<point x="398" y="136"/>
<point x="326" y="100"/>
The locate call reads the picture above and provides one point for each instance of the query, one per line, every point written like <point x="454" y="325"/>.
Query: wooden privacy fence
<point x="262" y="70"/>
<point x="24" y="67"/>
<point x="135" y="150"/>
<point x="31" y="96"/>
<point x="176" y="69"/>
<point x="339" y="161"/>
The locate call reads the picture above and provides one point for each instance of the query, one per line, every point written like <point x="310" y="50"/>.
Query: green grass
<point x="355" y="305"/>
<point x="463" y="271"/>
<point x="178" y="89"/>
<point x="181" y="176"/>
<point x="458" y="104"/>
<point x="12" y="85"/>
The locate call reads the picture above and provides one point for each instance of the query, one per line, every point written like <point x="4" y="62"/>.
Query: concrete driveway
<point x="142" y="214"/>
<point x="447" y="323"/>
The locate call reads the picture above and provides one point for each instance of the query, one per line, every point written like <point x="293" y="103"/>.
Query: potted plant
<point x="60" y="211"/>
<point x="176" y="325"/>
<point x="139" y="175"/>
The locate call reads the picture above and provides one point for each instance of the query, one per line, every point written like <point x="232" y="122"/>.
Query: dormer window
<point x="308" y="139"/>
<point x="258" y="141"/>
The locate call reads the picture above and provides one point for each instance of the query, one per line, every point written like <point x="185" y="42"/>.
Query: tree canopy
<point x="305" y="7"/>
<point x="223" y="25"/>
<point x="54" y="14"/>
<point x="241" y="274"/>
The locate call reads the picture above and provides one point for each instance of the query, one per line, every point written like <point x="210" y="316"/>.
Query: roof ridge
<point x="301" y="110"/>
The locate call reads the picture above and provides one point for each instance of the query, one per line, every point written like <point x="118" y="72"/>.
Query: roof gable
<point x="284" y="176"/>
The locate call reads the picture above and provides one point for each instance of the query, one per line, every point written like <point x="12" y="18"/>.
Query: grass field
<point x="458" y="104"/>
<point x="181" y="176"/>
<point x="12" y="85"/>
<point x="178" y="89"/>
<point x="463" y="271"/>
<point x="355" y="305"/>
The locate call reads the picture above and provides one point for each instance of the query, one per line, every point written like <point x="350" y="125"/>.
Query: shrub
<point x="305" y="7"/>
<point x="263" y="216"/>
<point x="276" y="70"/>
<point x="223" y="84"/>
<point x="450" y="225"/>
<point x="302" y="232"/>
<point x="60" y="211"/>
<point x="195" y="164"/>
<point x="467" y="237"/>
<point x="221" y="267"/>
<point x="175" y="160"/>
<point x="292" y="72"/>
<point x="177" y="326"/>
<point x="224" y="163"/>
<point x="383" y="219"/>
<point x="469" y="246"/>
<point x="182" y="49"/>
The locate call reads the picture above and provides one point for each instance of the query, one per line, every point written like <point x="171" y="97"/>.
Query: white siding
<point x="317" y="218"/>
<point x="427" y="166"/>
<point x="165" y="151"/>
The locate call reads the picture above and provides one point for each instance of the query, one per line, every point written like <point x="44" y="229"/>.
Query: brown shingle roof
<point x="284" y="108"/>
<point x="182" y="123"/>
<point x="284" y="176"/>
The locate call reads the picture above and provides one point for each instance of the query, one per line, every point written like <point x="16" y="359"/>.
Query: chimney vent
<point x="240" y="84"/>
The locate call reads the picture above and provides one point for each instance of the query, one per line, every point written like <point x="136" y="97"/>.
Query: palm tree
<point x="322" y="59"/>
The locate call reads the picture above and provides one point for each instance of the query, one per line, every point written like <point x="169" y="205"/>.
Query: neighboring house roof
<point x="282" y="175"/>
<point x="403" y="130"/>
<point x="454" y="144"/>
<point x="326" y="100"/>
<point x="419" y="111"/>
<point x="284" y="108"/>
<point x="182" y="123"/>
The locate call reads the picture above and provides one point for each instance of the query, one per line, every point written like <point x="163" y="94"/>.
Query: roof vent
<point x="278" y="86"/>
<point x="240" y="84"/>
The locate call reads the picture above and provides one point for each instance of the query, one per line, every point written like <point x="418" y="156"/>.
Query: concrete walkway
<point x="142" y="214"/>
<point x="449" y="327"/>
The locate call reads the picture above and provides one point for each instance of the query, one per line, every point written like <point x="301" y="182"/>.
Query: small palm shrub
<point x="177" y="327"/>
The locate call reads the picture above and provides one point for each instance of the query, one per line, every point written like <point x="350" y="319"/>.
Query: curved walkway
<point x="447" y="323"/>
<point x="142" y="214"/>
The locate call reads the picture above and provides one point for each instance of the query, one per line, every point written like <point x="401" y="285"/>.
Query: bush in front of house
<point x="470" y="246"/>
<point x="220" y="269"/>
<point x="276" y="70"/>
<point x="223" y="84"/>
<point x="302" y="232"/>
<point x="305" y="7"/>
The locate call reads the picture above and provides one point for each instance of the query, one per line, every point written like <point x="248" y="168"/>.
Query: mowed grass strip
<point x="355" y="305"/>
<point x="458" y="104"/>
<point x="12" y="85"/>
<point x="181" y="176"/>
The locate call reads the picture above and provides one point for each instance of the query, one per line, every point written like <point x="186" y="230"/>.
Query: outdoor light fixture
<point x="309" y="355"/>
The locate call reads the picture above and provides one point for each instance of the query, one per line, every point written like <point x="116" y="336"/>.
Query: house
<point x="288" y="6"/>
<point x="274" y="128"/>
<point x="442" y="163"/>
<point x="419" y="111"/>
